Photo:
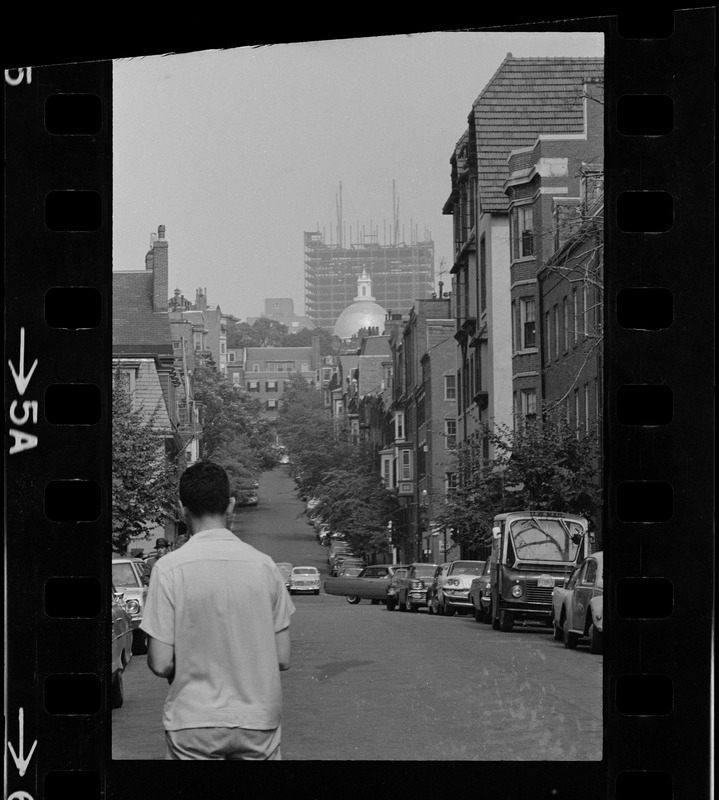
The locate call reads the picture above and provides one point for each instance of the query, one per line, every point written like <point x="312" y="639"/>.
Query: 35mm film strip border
<point x="658" y="390"/>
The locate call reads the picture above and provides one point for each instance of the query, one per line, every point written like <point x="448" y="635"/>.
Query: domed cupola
<point x="363" y="312"/>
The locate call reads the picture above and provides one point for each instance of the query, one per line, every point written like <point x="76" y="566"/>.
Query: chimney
<point x="316" y="358"/>
<point x="200" y="299"/>
<point x="157" y="260"/>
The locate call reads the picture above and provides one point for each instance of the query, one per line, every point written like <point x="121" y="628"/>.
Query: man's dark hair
<point x="205" y="489"/>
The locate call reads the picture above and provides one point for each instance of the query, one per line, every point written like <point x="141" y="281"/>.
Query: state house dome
<point x="363" y="312"/>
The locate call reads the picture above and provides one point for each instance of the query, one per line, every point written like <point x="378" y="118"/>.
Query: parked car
<point x="400" y="570"/>
<point x="412" y="588"/>
<point x="559" y="593"/>
<point x="582" y="607"/>
<point x="449" y="591"/>
<point x="372" y="584"/>
<point x="122" y="636"/>
<point x="248" y="498"/>
<point x="286" y="569"/>
<point x="480" y="594"/>
<point x="130" y="577"/>
<point x="304" y="579"/>
<point x="343" y="559"/>
<point x="349" y="570"/>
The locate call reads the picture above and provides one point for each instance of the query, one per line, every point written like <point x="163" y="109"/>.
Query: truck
<point x="532" y="552"/>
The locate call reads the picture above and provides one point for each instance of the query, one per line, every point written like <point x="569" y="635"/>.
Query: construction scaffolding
<point x="401" y="273"/>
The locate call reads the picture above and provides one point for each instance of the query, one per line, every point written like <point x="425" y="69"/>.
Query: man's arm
<point x="161" y="658"/>
<point x="282" y="640"/>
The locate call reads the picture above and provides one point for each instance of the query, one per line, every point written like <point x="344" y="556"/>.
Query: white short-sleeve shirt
<point x="219" y="602"/>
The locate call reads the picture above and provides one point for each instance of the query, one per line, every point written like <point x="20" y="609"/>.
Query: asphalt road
<point x="370" y="684"/>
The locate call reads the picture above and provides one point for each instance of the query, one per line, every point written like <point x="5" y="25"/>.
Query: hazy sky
<point x="238" y="152"/>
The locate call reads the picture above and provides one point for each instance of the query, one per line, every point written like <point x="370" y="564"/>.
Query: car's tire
<point x="557" y="632"/>
<point x="445" y="610"/>
<point x="430" y="607"/>
<point x="596" y="644"/>
<point x="488" y="615"/>
<point x="353" y="599"/>
<point x="139" y="642"/>
<point x="506" y="620"/>
<point x="478" y="614"/>
<point x="412" y="606"/>
<point x="570" y="639"/>
<point x="391" y="605"/>
<point x="402" y="606"/>
<point x="317" y="591"/>
<point x="117" y="690"/>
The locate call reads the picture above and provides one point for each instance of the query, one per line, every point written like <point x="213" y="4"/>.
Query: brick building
<point x="548" y="187"/>
<point x="143" y="353"/>
<point x="529" y="103"/>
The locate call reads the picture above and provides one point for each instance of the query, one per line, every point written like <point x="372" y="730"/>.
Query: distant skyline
<point x="238" y="152"/>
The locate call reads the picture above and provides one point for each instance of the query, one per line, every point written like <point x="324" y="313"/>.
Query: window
<point x="585" y="298"/>
<point x="280" y="366"/>
<point x="255" y="367"/>
<point x="527" y="321"/>
<point x="270" y="386"/>
<point x="271" y="404"/>
<point x="529" y="402"/>
<point x="177" y="344"/>
<point x="223" y="347"/>
<point x="565" y="312"/>
<point x="547" y="345"/>
<point x="592" y="186"/>
<point x="555" y="312"/>
<point x="576" y="411"/>
<point x="450" y="387"/>
<point x="399" y="425"/>
<point x="231" y="357"/>
<point x="236" y="378"/>
<point x="387" y="471"/>
<point x="450" y="482"/>
<point x="450" y="434"/>
<point x="198" y="341"/>
<point x="575" y="315"/>
<point x="253" y="386"/>
<point x="586" y="408"/>
<point x="482" y="274"/>
<point x="522" y="232"/>
<point x="513" y="324"/>
<point x="405" y="465"/>
<point x="305" y="368"/>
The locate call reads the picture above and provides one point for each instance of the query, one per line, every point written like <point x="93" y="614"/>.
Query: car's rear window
<point x="124" y="575"/>
<point x="425" y="570"/>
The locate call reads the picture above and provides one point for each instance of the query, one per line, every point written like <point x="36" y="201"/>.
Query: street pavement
<point x="369" y="684"/>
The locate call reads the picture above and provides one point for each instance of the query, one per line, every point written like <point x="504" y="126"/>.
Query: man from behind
<point x="218" y="618"/>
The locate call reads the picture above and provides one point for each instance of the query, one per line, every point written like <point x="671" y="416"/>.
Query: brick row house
<point x="265" y="371"/>
<point x="516" y="177"/>
<point x="157" y="377"/>
<point x="396" y="394"/>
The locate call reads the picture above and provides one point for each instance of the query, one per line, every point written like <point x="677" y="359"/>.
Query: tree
<point x="543" y="465"/>
<point x="341" y="476"/>
<point x="232" y="415"/>
<point x="144" y="477"/>
<point x="263" y="332"/>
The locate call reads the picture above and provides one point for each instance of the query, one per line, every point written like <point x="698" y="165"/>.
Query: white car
<point x="450" y="591"/>
<point x="304" y="579"/>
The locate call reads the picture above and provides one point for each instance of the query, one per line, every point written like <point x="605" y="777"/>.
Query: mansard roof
<point x="525" y="97"/>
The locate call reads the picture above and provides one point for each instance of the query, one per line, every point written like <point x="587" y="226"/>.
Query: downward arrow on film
<point x="22" y="380"/>
<point x="20" y="761"/>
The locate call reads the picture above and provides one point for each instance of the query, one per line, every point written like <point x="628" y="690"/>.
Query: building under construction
<point x="401" y="274"/>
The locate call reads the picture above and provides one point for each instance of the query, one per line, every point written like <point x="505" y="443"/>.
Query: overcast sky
<point x="238" y="152"/>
